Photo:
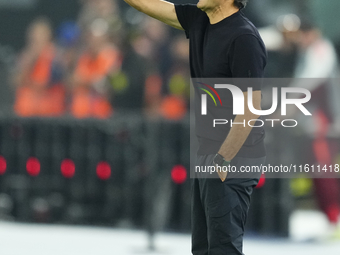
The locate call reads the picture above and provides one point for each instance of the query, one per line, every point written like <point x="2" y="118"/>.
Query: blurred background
<point x="94" y="130"/>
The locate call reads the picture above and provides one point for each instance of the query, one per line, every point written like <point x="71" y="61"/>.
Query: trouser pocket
<point x="225" y="218"/>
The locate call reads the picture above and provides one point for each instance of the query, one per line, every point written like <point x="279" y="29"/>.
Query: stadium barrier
<point x="127" y="171"/>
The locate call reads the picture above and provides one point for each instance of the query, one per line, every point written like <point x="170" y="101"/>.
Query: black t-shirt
<point x="231" y="48"/>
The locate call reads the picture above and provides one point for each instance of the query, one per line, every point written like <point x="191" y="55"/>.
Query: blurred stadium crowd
<point x="113" y="58"/>
<point x="99" y="64"/>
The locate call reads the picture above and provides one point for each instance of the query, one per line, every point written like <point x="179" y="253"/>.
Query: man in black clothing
<point x="223" y="44"/>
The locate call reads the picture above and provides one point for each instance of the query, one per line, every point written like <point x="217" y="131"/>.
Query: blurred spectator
<point x="158" y="35"/>
<point x="39" y="88"/>
<point x="167" y="86"/>
<point x="174" y="104"/>
<point x="282" y="51"/>
<point x="102" y="9"/>
<point x="318" y="60"/>
<point x="68" y="47"/>
<point x="127" y="85"/>
<point x="314" y="49"/>
<point x="100" y="58"/>
<point x="150" y="43"/>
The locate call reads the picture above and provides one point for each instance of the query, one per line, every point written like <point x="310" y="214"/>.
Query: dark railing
<point x="125" y="171"/>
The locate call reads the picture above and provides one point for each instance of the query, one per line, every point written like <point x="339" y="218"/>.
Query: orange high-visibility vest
<point x="88" y="71"/>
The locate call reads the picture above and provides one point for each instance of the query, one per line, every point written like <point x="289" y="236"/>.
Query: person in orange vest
<point x="96" y="63"/>
<point x="38" y="92"/>
<point x="175" y="104"/>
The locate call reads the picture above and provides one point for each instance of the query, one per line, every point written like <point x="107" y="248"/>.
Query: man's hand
<point x="220" y="166"/>
<point x="158" y="9"/>
<point x="221" y="174"/>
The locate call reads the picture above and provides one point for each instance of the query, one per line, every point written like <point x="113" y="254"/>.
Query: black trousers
<point x="219" y="209"/>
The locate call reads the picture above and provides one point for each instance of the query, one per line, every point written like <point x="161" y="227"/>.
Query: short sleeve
<point x="186" y="14"/>
<point x="247" y="58"/>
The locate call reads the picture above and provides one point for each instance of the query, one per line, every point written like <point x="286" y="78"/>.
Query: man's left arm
<point x="247" y="58"/>
<point x="239" y="132"/>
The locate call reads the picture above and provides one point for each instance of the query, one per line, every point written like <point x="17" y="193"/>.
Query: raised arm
<point x="158" y="9"/>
